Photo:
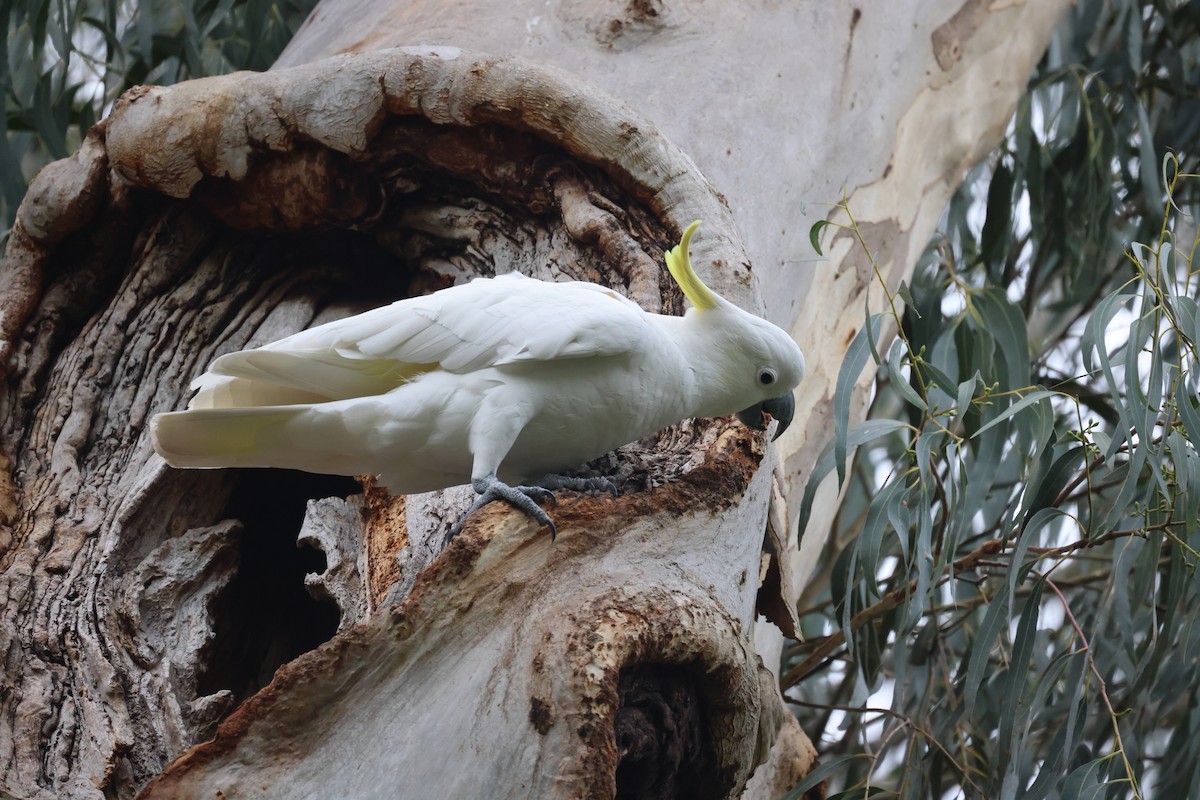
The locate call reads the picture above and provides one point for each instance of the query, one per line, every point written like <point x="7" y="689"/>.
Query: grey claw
<point x="524" y="498"/>
<point x="539" y="494"/>
<point x="527" y="497"/>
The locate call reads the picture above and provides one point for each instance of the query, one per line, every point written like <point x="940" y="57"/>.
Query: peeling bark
<point x="162" y="630"/>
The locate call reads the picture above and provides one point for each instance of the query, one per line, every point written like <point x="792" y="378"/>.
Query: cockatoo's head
<point x="757" y="364"/>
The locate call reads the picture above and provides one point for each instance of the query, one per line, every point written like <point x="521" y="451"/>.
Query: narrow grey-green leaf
<point x="1085" y="783"/>
<point x="1189" y="314"/>
<point x="995" y="239"/>
<point x="1049" y="484"/>
<point x="1097" y="325"/>
<point x="994" y="620"/>
<point x="898" y="381"/>
<point x="1018" y="670"/>
<point x="936" y="377"/>
<point x="1036" y="396"/>
<point x="966" y="391"/>
<point x="1016" y="569"/>
<point x="859" y="433"/>
<point x="870" y="541"/>
<point x="1188" y="414"/>
<point x="852" y="367"/>
<point x="1004" y="322"/>
<point x="825" y="771"/>
<point x="1145" y="141"/>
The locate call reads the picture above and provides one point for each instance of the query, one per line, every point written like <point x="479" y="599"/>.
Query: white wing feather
<point x="487" y="322"/>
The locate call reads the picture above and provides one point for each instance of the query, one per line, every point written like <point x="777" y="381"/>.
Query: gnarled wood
<point x="201" y="288"/>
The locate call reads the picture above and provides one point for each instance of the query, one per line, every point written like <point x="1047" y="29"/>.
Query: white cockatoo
<point x="501" y="382"/>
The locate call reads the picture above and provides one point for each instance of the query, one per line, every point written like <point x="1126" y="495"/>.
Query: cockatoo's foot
<point x="591" y="485"/>
<point x="526" y="498"/>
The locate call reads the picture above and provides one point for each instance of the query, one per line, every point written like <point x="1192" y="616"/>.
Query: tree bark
<point x="145" y="609"/>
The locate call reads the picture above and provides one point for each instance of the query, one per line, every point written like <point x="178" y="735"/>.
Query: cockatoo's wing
<point x="484" y="323"/>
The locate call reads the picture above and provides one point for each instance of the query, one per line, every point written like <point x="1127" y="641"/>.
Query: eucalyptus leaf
<point x="823" y="772"/>
<point x="814" y="235"/>
<point x="852" y="367"/>
<point x="1051" y="471"/>
<point x="994" y="620"/>
<point x="899" y="382"/>
<point x="1036" y="396"/>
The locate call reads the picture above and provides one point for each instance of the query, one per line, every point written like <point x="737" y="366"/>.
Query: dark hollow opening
<point x="266" y="617"/>
<point x="664" y="748"/>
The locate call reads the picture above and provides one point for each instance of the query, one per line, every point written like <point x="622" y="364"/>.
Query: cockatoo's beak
<point x="780" y="408"/>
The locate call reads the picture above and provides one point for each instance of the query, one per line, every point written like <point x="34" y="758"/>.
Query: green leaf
<point x="1188" y="312"/>
<point x="1003" y="321"/>
<point x="1097" y="324"/>
<point x="859" y="434"/>
<point x="966" y="391"/>
<point x="826" y="770"/>
<point x="145" y="23"/>
<point x="994" y="620"/>
<point x="898" y="381"/>
<point x="814" y="235"/>
<point x="1036" y="396"/>
<point x="12" y="184"/>
<point x="922" y="558"/>
<point x="1188" y="414"/>
<point x="994" y="241"/>
<point x="1043" y="489"/>
<point x="1186" y="461"/>
<point x="1085" y="783"/>
<point x="937" y="378"/>
<point x="872" y="330"/>
<point x="852" y="367"/>
<point x="1018" y="672"/>
<point x="870" y="541"/>
<point x="1017" y="569"/>
<point x="1149" y="175"/>
<point x="221" y="14"/>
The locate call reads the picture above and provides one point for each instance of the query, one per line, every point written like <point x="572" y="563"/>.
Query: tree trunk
<point x="145" y="608"/>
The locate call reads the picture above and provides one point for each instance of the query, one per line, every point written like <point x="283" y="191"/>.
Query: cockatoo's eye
<point x="766" y="376"/>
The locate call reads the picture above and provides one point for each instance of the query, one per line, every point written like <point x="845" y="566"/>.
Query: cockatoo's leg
<point x="526" y="498"/>
<point x="493" y="432"/>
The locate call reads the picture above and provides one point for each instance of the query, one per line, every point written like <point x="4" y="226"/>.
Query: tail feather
<point x="278" y="377"/>
<point x="220" y="391"/>
<point x="225" y="437"/>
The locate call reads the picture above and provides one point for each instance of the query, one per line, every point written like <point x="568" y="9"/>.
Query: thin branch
<point x="1087" y="649"/>
<point x="888" y="602"/>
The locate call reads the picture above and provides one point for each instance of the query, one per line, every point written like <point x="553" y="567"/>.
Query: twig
<point x="888" y="602"/>
<point x="1087" y="649"/>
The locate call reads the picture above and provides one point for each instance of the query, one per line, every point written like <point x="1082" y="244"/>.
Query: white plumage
<point x="508" y="377"/>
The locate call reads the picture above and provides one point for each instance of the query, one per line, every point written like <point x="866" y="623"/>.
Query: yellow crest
<point x="680" y="265"/>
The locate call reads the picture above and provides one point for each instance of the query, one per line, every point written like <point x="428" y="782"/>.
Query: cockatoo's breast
<point x="591" y="406"/>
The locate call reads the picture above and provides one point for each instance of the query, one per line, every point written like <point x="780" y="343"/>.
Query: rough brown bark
<point x="158" y="645"/>
<point x="142" y="606"/>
